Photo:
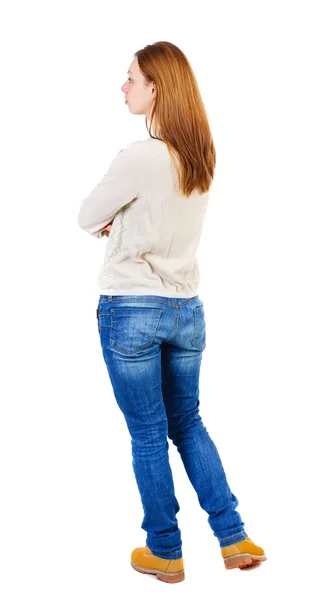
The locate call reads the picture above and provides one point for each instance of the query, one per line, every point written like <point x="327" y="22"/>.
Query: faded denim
<point x="152" y="346"/>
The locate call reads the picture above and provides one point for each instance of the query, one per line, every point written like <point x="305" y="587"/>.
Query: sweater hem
<point x="144" y="291"/>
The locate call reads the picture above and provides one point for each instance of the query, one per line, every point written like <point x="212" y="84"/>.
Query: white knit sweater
<point x="151" y="248"/>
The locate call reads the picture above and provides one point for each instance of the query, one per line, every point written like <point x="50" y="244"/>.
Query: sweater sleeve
<point x="120" y="185"/>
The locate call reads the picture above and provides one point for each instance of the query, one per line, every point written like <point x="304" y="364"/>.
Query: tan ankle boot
<point x="165" y="569"/>
<point x="242" y="554"/>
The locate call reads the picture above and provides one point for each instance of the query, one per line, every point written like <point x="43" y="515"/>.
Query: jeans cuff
<point x="233" y="539"/>
<point x="168" y="556"/>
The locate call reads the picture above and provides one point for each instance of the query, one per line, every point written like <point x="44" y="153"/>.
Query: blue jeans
<point x="152" y="347"/>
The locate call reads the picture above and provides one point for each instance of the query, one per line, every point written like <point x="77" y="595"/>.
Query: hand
<point x="106" y="230"/>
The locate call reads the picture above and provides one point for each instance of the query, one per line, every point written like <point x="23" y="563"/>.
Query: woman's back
<point x="152" y="245"/>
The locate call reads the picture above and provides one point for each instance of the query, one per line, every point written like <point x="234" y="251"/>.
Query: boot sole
<point x="241" y="561"/>
<point x="161" y="575"/>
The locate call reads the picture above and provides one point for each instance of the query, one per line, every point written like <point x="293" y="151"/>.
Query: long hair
<point x="178" y="115"/>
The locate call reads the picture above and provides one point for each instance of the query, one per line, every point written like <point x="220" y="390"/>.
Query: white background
<point x="69" y="506"/>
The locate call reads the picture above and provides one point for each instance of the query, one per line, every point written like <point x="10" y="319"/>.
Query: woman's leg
<point x="181" y="361"/>
<point x="135" y="375"/>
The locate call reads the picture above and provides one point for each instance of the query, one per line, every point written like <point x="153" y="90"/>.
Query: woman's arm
<point x="121" y="184"/>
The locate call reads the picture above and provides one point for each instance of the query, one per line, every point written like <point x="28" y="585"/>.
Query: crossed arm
<point x="121" y="184"/>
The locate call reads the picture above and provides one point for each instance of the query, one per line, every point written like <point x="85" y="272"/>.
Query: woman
<point x="151" y="203"/>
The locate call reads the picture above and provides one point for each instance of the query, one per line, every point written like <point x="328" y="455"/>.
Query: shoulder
<point x="142" y="151"/>
<point x="154" y="148"/>
<point x="132" y="155"/>
<point x="133" y="149"/>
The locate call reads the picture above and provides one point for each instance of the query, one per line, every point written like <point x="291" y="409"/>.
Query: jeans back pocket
<point x="199" y="339"/>
<point x="132" y="328"/>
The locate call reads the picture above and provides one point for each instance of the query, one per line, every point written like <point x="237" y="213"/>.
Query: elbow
<point x="91" y="229"/>
<point x="81" y="222"/>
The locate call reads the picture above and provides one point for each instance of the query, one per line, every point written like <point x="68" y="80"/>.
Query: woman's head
<point x="161" y="84"/>
<point x="139" y="93"/>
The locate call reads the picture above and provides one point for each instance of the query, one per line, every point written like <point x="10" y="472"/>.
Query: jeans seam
<point x="175" y="326"/>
